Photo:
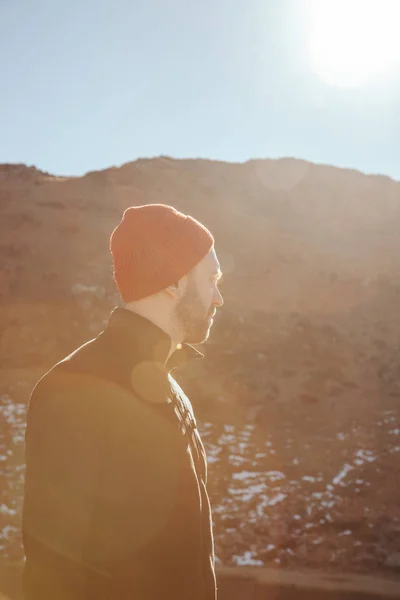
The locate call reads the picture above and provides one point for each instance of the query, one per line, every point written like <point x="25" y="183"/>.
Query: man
<point x="116" y="505"/>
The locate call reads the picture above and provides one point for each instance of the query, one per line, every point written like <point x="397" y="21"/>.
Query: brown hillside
<point x="305" y="353"/>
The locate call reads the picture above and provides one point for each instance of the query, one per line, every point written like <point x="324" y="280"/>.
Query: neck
<point x="159" y="318"/>
<point x="174" y="346"/>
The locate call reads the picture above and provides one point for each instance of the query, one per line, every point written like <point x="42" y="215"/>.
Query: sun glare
<point x="354" y="41"/>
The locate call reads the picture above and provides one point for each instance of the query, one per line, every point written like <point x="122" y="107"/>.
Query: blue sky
<point x="90" y="84"/>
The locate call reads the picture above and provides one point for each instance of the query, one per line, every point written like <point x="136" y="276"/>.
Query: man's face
<point x="201" y="297"/>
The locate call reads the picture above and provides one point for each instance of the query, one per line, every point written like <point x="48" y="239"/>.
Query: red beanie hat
<point x="153" y="247"/>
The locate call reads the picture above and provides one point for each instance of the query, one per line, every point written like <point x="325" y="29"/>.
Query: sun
<point x="352" y="42"/>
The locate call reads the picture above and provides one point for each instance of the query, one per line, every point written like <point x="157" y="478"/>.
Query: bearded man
<point x="116" y="504"/>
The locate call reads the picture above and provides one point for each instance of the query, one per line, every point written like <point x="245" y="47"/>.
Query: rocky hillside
<point x="301" y="381"/>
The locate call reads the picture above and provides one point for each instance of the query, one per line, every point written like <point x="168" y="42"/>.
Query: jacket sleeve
<point x="137" y="481"/>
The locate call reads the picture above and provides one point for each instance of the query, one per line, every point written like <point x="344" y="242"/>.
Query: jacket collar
<point x="140" y="338"/>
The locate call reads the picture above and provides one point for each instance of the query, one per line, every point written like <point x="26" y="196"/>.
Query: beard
<point x="192" y="317"/>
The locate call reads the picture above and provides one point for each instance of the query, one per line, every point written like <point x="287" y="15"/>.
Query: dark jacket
<point x="115" y="504"/>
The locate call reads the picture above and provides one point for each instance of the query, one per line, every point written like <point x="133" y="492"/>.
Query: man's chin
<point x="200" y="338"/>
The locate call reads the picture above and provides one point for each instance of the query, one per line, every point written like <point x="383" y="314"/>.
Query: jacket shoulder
<point x="84" y="404"/>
